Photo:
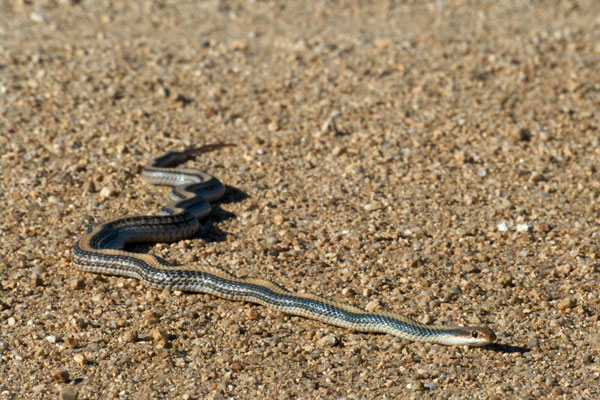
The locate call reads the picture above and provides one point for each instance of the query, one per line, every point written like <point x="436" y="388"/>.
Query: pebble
<point x="129" y="336"/>
<point x="80" y="323"/>
<point x="60" y="375"/>
<point x="328" y="341"/>
<point x="68" y="393"/>
<point x="108" y="191"/>
<point x="417" y="386"/>
<point x="71" y="342"/>
<point x="252" y="314"/>
<point x="566" y="303"/>
<point x="39" y="270"/>
<point x="76" y="284"/>
<point x="236" y="366"/>
<point x="373" y="305"/>
<point x="523" y="228"/>
<point x="158" y="335"/>
<point x="89" y="187"/>
<point x="99" y="298"/>
<point x="80" y="359"/>
<point x="36" y="16"/>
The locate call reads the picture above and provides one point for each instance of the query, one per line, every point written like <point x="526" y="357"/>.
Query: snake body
<point x="101" y="250"/>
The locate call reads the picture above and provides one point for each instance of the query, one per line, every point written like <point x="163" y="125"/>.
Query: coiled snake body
<point x="100" y="250"/>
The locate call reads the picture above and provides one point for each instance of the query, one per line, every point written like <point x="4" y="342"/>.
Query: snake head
<point x="477" y="336"/>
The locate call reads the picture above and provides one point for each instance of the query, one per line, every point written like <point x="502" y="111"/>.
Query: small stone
<point x="588" y="359"/>
<point x="130" y="336"/>
<point x="329" y="125"/>
<point x="152" y="314"/>
<point x="159" y="335"/>
<point x="371" y="207"/>
<point x="39" y="270"/>
<point x="80" y="359"/>
<point x="461" y="157"/>
<point x="536" y="177"/>
<point x="235" y="329"/>
<point x="564" y="269"/>
<point x="80" y="323"/>
<point x="123" y="360"/>
<point x="502" y="227"/>
<point x="51" y="339"/>
<point x="209" y="112"/>
<point x="60" y="375"/>
<point x="107" y="191"/>
<point x="36" y="16"/>
<point x="506" y="280"/>
<point x="89" y="187"/>
<point x="566" y="303"/>
<point x="523" y="228"/>
<point x="71" y="343"/>
<point x="68" y="393"/>
<point x="328" y="341"/>
<point x="236" y="366"/>
<point x="337" y="150"/>
<point x="373" y="305"/>
<point x="469" y="268"/>
<point x="98" y="298"/>
<point x="252" y="314"/>
<point x="76" y="284"/>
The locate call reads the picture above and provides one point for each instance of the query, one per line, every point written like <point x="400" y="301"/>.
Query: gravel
<point x="437" y="159"/>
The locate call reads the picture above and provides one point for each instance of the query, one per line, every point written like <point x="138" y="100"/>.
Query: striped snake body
<point x="101" y="250"/>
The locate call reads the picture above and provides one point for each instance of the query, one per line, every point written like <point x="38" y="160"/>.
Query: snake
<point x="102" y="250"/>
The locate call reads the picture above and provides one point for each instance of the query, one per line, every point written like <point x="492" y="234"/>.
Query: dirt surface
<point x="439" y="159"/>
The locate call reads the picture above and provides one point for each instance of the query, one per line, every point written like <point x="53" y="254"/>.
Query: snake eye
<point x="474" y="334"/>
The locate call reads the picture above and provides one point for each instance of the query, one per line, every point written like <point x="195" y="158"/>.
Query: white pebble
<point x="107" y="192"/>
<point x="502" y="227"/>
<point x="37" y="17"/>
<point x="523" y="228"/>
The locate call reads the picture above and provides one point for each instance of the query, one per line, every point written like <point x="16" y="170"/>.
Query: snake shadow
<point x="208" y="231"/>
<point x="506" y="348"/>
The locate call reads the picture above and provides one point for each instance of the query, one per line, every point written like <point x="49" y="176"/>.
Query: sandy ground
<point x="435" y="158"/>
